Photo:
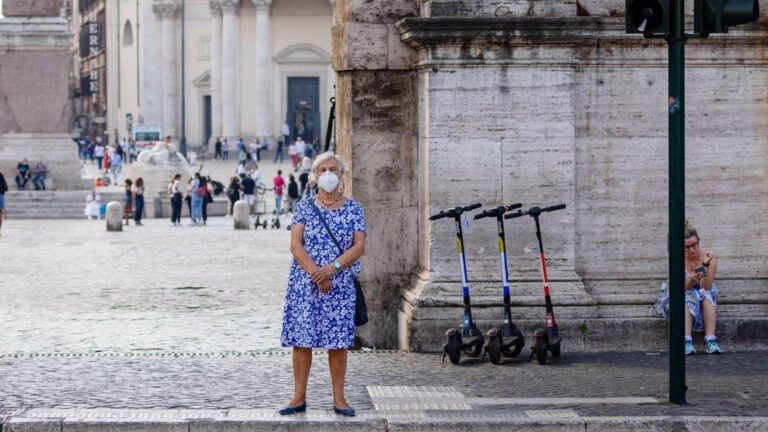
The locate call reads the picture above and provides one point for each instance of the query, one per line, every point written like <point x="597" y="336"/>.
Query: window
<point x="127" y="33"/>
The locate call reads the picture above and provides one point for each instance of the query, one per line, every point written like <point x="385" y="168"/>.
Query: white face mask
<point x="328" y="181"/>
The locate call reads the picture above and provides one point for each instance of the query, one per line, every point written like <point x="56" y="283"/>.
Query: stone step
<point x="602" y="335"/>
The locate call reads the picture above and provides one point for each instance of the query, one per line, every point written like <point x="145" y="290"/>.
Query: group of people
<point x="93" y="149"/>
<point x="199" y="193"/>
<point x="24" y="173"/>
<point x="133" y="201"/>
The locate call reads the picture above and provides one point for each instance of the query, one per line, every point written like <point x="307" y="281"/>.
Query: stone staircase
<point x="32" y="204"/>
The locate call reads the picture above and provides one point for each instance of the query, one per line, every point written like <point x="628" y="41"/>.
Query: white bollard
<point x="241" y="214"/>
<point x="114" y="216"/>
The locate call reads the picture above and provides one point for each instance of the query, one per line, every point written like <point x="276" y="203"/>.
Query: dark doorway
<point x="303" y="114"/>
<point x="207" y="120"/>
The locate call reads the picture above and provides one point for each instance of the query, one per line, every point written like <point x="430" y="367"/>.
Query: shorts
<point x="2" y="201"/>
<point x="250" y="199"/>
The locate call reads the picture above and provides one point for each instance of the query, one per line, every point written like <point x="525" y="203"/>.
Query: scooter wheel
<point x="556" y="351"/>
<point x="518" y="345"/>
<point x="264" y="224"/>
<point x="480" y="342"/>
<point x="453" y="347"/>
<point x="541" y="350"/>
<point x="493" y="349"/>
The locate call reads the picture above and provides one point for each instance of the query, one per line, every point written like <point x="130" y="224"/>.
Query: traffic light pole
<point x="676" y="103"/>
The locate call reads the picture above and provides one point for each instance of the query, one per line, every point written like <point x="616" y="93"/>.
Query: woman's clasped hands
<point x="322" y="277"/>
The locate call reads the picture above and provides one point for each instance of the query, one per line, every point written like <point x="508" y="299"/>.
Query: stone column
<point x="263" y="70"/>
<point x="170" y="103"/>
<point x="229" y="87"/>
<point x="216" y="82"/>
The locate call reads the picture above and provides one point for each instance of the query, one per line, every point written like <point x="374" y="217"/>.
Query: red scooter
<point x="549" y="338"/>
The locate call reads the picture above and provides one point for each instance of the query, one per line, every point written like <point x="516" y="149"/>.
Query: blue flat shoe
<point x="346" y="412"/>
<point x="293" y="410"/>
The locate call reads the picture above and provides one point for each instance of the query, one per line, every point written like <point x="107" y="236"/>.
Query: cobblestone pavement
<point x="731" y="384"/>
<point x="72" y="286"/>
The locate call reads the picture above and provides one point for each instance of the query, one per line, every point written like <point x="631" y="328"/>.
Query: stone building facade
<point x="546" y="102"/>
<point x="248" y="66"/>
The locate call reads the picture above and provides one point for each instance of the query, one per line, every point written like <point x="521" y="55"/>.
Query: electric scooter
<point x="548" y="339"/>
<point x="504" y="339"/>
<point x="468" y="337"/>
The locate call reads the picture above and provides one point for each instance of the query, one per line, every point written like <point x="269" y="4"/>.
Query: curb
<point x="111" y="420"/>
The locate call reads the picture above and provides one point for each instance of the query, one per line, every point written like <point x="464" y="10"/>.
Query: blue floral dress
<point x="312" y="319"/>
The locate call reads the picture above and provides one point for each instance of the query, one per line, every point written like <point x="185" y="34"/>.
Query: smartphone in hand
<point x="700" y="269"/>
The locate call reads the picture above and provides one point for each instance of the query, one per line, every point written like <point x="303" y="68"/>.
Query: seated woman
<point x="700" y="292"/>
<point x="92" y="205"/>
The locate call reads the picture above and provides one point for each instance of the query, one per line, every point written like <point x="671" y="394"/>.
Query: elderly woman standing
<point x="320" y="300"/>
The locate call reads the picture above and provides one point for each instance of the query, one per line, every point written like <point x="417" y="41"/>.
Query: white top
<point x="286" y="129"/>
<point x="98" y="151"/>
<point x="300" y="147"/>
<point x="292" y="150"/>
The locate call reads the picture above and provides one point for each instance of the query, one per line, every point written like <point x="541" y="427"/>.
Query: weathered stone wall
<point x="31" y="8"/>
<point x="377" y="132"/>
<point x="548" y="110"/>
<point x="543" y="102"/>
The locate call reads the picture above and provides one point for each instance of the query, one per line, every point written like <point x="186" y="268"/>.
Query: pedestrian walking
<point x="217" y="149"/>
<point x="293" y="192"/>
<point x="3" y="190"/>
<point x="279" y="150"/>
<point x="294" y="155"/>
<point x="248" y="186"/>
<point x="128" y="202"/>
<point x="241" y="171"/>
<point x="98" y="154"/>
<point x="196" y="199"/>
<point x="23" y="174"/>
<point x="253" y="150"/>
<point x="233" y="193"/>
<point x="278" y="183"/>
<point x="286" y="131"/>
<point x="320" y="299"/>
<point x="301" y="147"/>
<point x="303" y="180"/>
<point x="138" y="199"/>
<point x="38" y="179"/>
<point x="115" y="164"/>
<point x="133" y="152"/>
<point x="174" y="190"/>
<point x="225" y="150"/>
<point x="205" y="194"/>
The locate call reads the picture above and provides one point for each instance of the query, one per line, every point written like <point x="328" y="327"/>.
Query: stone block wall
<point x="376" y="121"/>
<point x="548" y="102"/>
<point x="31" y="8"/>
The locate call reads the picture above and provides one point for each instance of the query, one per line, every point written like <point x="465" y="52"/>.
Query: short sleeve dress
<point x="312" y="319"/>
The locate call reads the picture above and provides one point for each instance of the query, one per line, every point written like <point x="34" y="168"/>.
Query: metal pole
<point x="183" y="143"/>
<point x="676" y="102"/>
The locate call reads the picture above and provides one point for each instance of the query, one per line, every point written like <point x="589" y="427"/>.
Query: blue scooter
<point x="504" y="339"/>
<point x="468" y="337"/>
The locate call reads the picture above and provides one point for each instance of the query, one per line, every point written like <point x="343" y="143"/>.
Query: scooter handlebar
<point x="453" y="212"/>
<point x="494" y="212"/>
<point x="516" y="214"/>
<point x="553" y="208"/>
<point x="440" y="215"/>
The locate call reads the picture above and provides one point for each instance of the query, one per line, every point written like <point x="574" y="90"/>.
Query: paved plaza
<point x="187" y="319"/>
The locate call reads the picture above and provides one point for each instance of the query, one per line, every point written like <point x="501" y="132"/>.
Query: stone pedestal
<point x="241" y="216"/>
<point x="35" y="112"/>
<point x="114" y="216"/>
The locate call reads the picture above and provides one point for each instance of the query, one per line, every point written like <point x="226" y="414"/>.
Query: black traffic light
<point x="646" y="16"/>
<point x="715" y="16"/>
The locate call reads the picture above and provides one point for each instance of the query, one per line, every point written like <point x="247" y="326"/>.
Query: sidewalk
<point x="169" y="391"/>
